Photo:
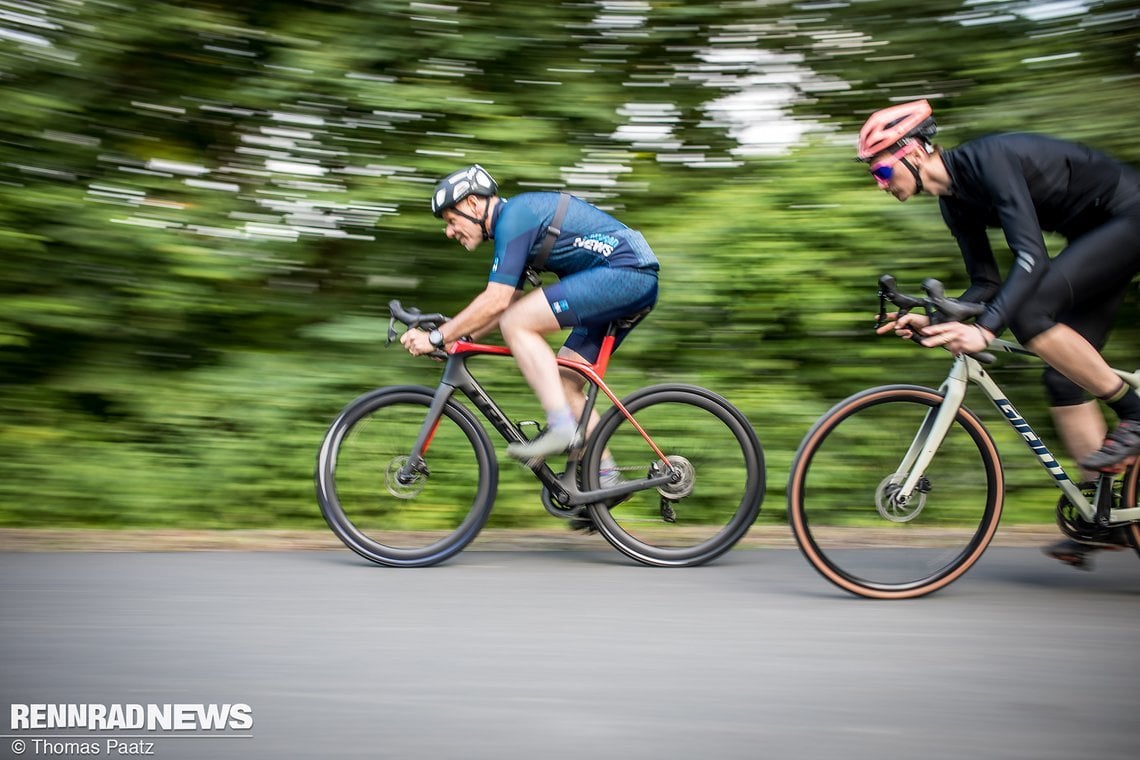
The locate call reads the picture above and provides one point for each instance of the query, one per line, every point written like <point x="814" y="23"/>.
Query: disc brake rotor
<point x="685" y="476"/>
<point x="892" y="507"/>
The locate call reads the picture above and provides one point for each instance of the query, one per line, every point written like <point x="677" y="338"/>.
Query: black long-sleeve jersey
<point x="1023" y="184"/>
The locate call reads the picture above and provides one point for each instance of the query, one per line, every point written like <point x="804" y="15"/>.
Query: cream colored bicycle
<point x="897" y="490"/>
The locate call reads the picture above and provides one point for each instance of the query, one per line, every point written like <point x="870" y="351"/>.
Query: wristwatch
<point x="435" y="337"/>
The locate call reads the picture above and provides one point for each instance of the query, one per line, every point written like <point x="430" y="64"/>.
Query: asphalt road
<point x="571" y="654"/>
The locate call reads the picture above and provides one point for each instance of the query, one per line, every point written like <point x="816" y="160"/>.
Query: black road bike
<point x="407" y="475"/>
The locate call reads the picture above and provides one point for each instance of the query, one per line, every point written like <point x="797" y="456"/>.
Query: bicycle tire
<point x="855" y="539"/>
<point x="1130" y="499"/>
<point x="420" y="523"/>
<point x="717" y="500"/>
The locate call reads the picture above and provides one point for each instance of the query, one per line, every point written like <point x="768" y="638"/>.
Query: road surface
<point x="567" y="654"/>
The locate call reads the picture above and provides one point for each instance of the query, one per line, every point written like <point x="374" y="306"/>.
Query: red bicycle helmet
<point x="891" y="126"/>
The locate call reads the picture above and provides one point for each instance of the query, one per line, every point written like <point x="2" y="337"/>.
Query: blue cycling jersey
<point x="589" y="238"/>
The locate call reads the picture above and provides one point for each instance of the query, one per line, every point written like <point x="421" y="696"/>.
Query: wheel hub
<point x="402" y="482"/>
<point x="896" y="507"/>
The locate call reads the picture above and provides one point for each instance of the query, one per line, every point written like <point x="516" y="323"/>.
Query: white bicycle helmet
<point x="474" y="180"/>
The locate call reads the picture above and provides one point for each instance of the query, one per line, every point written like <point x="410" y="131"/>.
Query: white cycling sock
<point x="561" y="419"/>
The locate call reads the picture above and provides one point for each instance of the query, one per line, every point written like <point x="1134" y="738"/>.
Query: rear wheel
<point x="844" y="504"/>
<point x="1130" y="499"/>
<point x="392" y="515"/>
<point x="717" y="468"/>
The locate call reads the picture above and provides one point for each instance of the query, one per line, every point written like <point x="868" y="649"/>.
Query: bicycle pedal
<point x="526" y="424"/>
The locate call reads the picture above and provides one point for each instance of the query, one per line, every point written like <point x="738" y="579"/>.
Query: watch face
<point x="435" y="337"/>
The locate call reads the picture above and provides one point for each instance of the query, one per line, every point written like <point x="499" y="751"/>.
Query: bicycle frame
<point x="966" y="370"/>
<point x="563" y="487"/>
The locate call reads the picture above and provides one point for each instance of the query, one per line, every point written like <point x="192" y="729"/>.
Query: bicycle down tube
<point x="982" y="379"/>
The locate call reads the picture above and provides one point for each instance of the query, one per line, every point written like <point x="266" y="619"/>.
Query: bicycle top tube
<point x="463" y="346"/>
<point x="1006" y="346"/>
<point x="593" y="371"/>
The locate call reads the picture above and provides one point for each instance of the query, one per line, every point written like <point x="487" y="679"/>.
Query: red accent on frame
<point x="592" y="372"/>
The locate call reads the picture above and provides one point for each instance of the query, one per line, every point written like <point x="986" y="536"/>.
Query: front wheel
<point x="389" y="513"/>
<point x="717" y="466"/>
<point x="846" y="512"/>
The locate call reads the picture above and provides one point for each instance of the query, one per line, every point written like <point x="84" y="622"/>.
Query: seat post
<point x="621" y="323"/>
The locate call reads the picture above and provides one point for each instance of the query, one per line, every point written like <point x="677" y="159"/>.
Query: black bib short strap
<point x="552" y="232"/>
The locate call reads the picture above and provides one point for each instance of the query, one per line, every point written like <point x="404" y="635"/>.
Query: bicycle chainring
<point x="557" y="508"/>
<point x="1073" y="524"/>
<point x="394" y="482"/>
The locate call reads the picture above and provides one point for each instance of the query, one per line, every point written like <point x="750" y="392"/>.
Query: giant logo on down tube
<point x="1035" y="443"/>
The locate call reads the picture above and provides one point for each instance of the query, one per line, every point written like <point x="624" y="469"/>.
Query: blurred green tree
<point x="206" y="207"/>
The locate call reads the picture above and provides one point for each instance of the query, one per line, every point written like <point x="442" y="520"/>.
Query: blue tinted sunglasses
<point x="884" y="170"/>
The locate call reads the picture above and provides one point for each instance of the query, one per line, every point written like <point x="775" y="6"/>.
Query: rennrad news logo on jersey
<point x="136" y="717"/>
<point x="598" y="243"/>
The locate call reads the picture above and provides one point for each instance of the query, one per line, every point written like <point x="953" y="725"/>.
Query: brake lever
<point x="882" y="318"/>
<point x="886" y="288"/>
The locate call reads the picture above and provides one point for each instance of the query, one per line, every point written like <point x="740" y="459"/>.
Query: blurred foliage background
<point x="206" y="206"/>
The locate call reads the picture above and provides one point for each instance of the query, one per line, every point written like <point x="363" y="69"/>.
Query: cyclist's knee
<point x="1060" y="390"/>
<point x="508" y="322"/>
<point x="571" y="380"/>
<point x="528" y="315"/>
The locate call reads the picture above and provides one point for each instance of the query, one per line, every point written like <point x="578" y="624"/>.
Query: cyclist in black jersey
<point x="1061" y="308"/>
<point x="606" y="271"/>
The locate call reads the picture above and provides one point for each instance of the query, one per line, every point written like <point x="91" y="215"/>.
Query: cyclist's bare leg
<point x="572" y="385"/>
<point x="1082" y="429"/>
<point x="1071" y="354"/>
<point x="1074" y="357"/>
<point x="524" y="326"/>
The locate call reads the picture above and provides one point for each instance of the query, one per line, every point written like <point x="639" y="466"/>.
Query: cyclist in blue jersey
<point x="1061" y="308"/>
<point x="606" y="271"/>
